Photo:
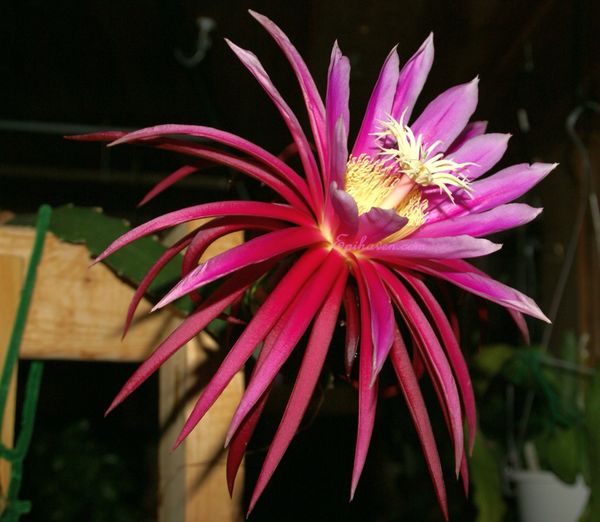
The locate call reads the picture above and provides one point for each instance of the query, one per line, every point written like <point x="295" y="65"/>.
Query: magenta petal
<point x="294" y="324"/>
<point x="377" y="224"/>
<point x="224" y="296"/>
<point x="502" y="187"/>
<point x="418" y="411"/>
<point x="378" y="108"/>
<point x="367" y="390"/>
<point x="306" y="156"/>
<point x="338" y="153"/>
<point x="239" y="442"/>
<point x="382" y="316"/>
<point x="256" y="250"/>
<point x="446" y="116"/>
<point x="278" y="167"/>
<point x="498" y="219"/>
<point x="352" y="329"/>
<point x="97" y="136"/>
<point x="464" y="474"/>
<point x="221" y="208"/>
<point x="467" y="277"/>
<point x="519" y="320"/>
<point x="474" y="128"/>
<point x="154" y="270"/>
<point x="281" y="187"/>
<point x="453" y="350"/>
<point x="434" y="358"/>
<point x="485" y="151"/>
<point x="346" y="214"/>
<point x="260" y="325"/>
<point x="310" y="369"/>
<point x="338" y="116"/>
<point x="314" y="104"/>
<point x="411" y="80"/>
<point x="433" y="248"/>
<point x="208" y="233"/>
<point x="176" y="176"/>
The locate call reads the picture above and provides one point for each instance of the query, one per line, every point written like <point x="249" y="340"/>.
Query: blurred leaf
<point x="559" y="451"/>
<point x="592" y="427"/>
<point x="487" y="481"/>
<point x="491" y="359"/>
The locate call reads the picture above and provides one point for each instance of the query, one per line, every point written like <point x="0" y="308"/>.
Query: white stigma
<point x="418" y="162"/>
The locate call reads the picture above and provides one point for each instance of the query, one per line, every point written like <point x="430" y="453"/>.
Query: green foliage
<point x="487" y="476"/>
<point x="592" y="432"/>
<point x="560" y="451"/>
<point x="531" y="396"/>
<point x="96" y="230"/>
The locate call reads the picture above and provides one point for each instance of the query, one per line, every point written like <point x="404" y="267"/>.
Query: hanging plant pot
<point x="542" y="497"/>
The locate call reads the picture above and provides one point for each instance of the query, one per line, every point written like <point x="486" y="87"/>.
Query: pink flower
<point x="365" y="229"/>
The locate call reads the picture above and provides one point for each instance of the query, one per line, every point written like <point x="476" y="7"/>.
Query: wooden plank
<point x="77" y="312"/>
<point x="192" y="483"/>
<point x="192" y="478"/>
<point x="12" y="269"/>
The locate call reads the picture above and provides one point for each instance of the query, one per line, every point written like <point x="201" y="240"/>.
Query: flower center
<point x="406" y="152"/>
<point x="371" y="183"/>
<point x="395" y="178"/>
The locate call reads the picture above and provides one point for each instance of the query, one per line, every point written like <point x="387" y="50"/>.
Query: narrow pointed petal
<point x="260" y="325"/>
<point x="150" y="276"/>
<point x="433" y="248"/>
<point x="239" y="441"/>
<point x="171" y="179"/>
<point x="97" y="136"/>
<point x="224" y="296"/>
<point x="279" y="186"/>
<point x="434" y="358"/>
<point x="382" y="316"/>
<point x="337" y="116"/>
<point x="519" y="320"/>
<point x="467" y="277"/>
<point x="484" y="151"/>
<point x="474" y="128"/>
<point x="310" y="369"/>
<point x="464" y="475"/>
<point x="252" y="63"/>
<point x="297" y="320"/>
<point x="379" y="107"/>
<point x="378" y="223"/>
<point x="256" y="250"/>
<point x="312" y="99"/>
<point x="277" y="166"/>
<point x="208" y="233"/>
<point x="207" y="210"/>
<point x="411" y="80"/>
<point x="367" y="390"/>
<point x="352" y="329"/>
<point x="450" y="343"/>
<point x="446" y="116"/>
<point x="501" y="218"/>
<point x="502" y="187"/>
<point x="418" y="411"/>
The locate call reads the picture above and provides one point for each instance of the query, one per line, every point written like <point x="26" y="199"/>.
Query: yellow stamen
<point x="394" y="179"/>
<point x="370" y="183"/>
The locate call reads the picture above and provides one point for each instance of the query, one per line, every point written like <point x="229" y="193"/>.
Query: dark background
<point x="69" y="66"/>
